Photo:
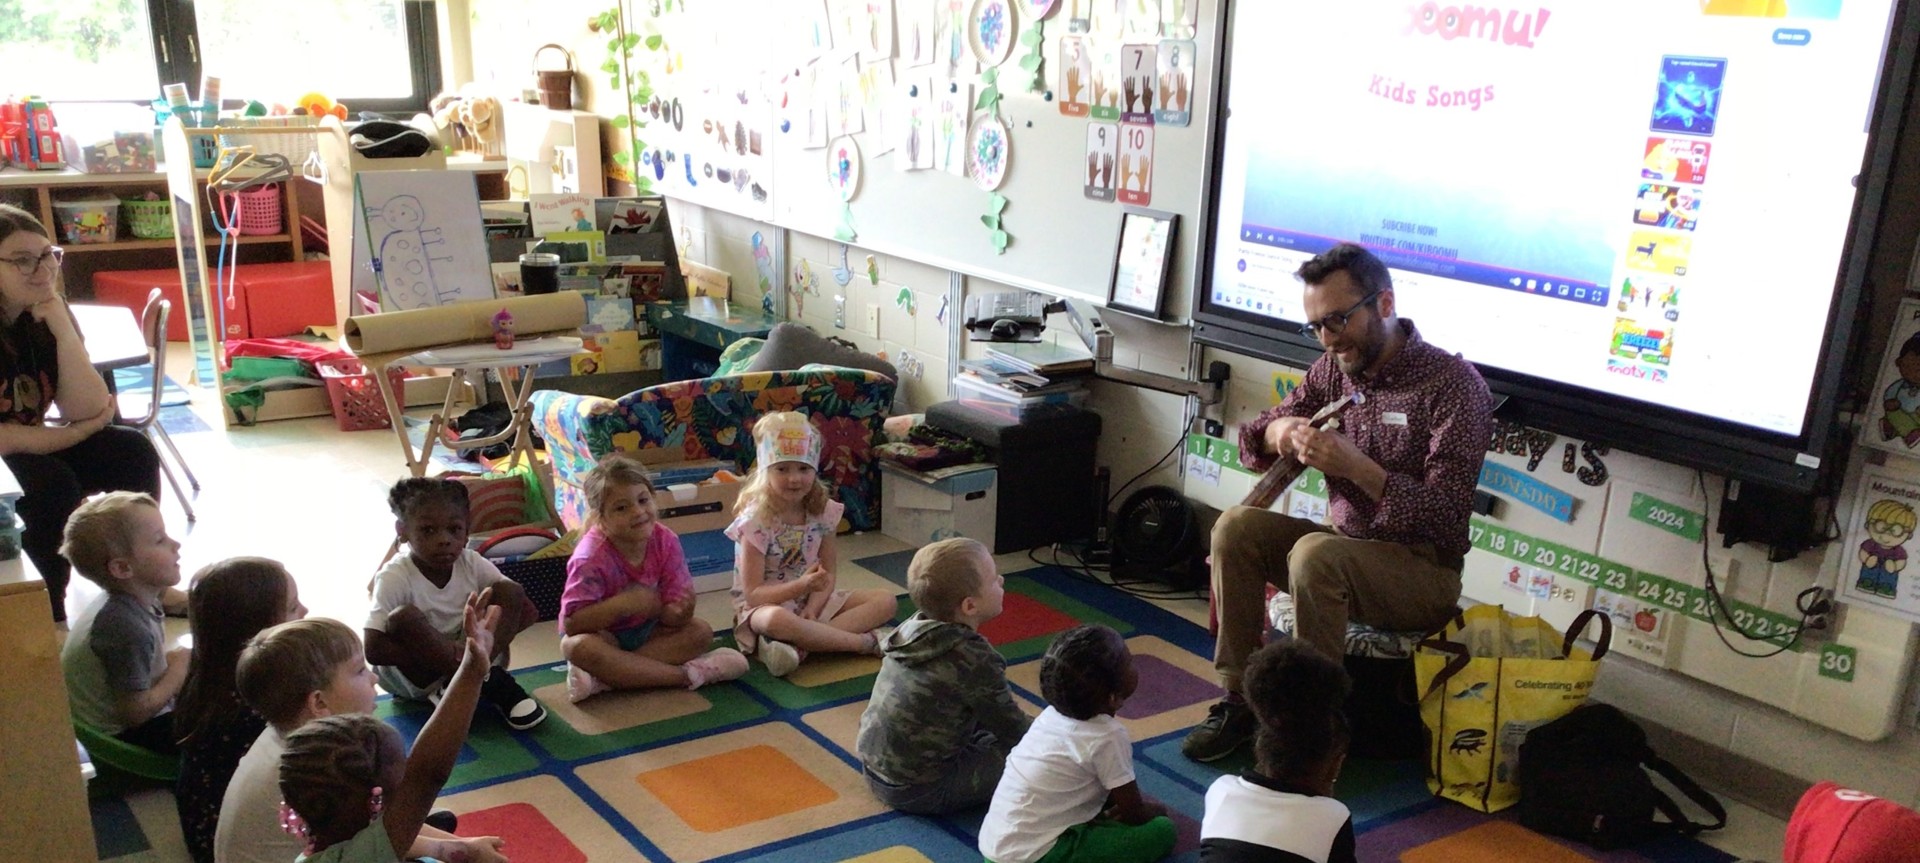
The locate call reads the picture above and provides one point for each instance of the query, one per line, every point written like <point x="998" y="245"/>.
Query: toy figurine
<point x="503" y="330"/>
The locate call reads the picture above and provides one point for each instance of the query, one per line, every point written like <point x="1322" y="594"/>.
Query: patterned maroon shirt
<point x="1425" y="419"/>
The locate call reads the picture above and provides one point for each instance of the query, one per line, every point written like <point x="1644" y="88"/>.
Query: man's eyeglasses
<point x="1337" y="322"/>
<point x="30" y="265"/>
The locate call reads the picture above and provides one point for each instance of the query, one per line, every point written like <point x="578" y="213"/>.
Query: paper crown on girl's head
<point x="787" y="436"/>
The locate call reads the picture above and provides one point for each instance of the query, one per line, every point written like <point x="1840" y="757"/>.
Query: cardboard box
<point x="918" y="508"/>
<point x="686" y="507"/>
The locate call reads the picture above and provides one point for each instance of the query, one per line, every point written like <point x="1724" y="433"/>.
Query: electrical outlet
<point x="840" y="311"/>
<point x="1822" y="618"/>
<point x="873" y="320"/>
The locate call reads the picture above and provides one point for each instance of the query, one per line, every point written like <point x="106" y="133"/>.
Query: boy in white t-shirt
<point x="1068" y="792"/>
<point x="413" y="631"/>
<point x="292" y="674"/>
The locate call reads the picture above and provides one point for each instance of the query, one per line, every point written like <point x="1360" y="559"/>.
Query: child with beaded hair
<point x="350" y="787"/>
<point x="785" y="598"/>
<point x="1283" y="809"/>
<point x="1069" y="793"/>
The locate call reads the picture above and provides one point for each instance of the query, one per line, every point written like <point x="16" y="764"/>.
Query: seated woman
<point x="43" y="364"/>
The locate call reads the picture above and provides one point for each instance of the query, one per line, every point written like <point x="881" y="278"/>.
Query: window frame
<point x="176" y="52"/>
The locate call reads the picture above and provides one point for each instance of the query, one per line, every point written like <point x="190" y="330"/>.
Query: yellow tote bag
<point x="1486" y="680"/>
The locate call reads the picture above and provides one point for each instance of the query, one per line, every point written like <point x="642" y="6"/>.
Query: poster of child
<point x="1886" y="512"/>
<point x="1893" y="421"/>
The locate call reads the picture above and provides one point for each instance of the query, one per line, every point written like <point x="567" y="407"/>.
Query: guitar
<point x="1268" y="487"/>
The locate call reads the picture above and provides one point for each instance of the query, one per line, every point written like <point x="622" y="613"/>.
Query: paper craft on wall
<point x="915" y="19"/>
<point x="1107" y="18"/>
<point x="876" y="90"/>
<point x="913" y="124"/>
<point x="816" y="27"/>
<point x="1142" y="19"/>
<point x="1894" y="416"/>
<point x="1038" y="9"/>
<point x="848" y="105"/>
<point x="1876" y="569"/>
<point x="1173" y="98"/>
<point x="990" y="31"/>
<point x="1076" y="77"/>
<point x="989" y="149"/>
<point x="425" y="245"/>
<point x="877" y="41"/>
<point x="950" y="35"/>
<point x="955" y="105"/>
<point x="843" y="167"/>
<point x="1179" y="19"/>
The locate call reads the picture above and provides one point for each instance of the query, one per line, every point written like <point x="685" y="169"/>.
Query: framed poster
<point x="1141" y="261"/>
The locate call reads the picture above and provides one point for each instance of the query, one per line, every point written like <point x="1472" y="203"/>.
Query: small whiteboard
<point x="420" y="241"/>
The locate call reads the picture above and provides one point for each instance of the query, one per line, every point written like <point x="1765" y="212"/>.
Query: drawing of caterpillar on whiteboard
<point x="405" y="256"/>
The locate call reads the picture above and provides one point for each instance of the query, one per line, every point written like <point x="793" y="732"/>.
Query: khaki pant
<point x="1332" y="579"/>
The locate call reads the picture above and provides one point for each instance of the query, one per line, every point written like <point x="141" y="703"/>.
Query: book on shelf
<point x="1042" y="358"/>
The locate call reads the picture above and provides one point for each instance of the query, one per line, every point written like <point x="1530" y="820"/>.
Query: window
<point x="373" y="55"/>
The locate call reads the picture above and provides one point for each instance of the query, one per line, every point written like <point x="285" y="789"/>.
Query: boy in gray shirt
<point x="120" y="679"/>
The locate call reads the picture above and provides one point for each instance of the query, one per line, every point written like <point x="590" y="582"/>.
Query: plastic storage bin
<point x="149" y="220"/>
<point x="981" y="395"/>
<point x="83" y="221"/>
<point x="357" y="405"/>
<point x="255" y="211"/>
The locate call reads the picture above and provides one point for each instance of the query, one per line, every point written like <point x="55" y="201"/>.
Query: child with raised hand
<point x="784" y="595"/>
<point x="626" y="616"/>
<point x="231" y="602"/>
<point x="351" y="789"/>
<point x="1069" y="793"/>
<point x="293" y="674"/>
<point x="1284" y="809"/>
<point x="935" y="736"/>
<point x="413" y="630"/>
<point x="120" y="678"/>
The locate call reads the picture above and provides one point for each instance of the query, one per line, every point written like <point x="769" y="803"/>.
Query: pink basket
<point x="260" y="213"/>
<point x="357" y="405"/>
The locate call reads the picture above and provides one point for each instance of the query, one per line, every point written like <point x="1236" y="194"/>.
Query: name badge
<point x="1393" y="418"/>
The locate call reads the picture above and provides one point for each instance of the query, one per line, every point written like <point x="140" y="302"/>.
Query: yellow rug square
<point x="1495" y="840"/>
<point x="778" y="787"/>
<point x="737" y="790"/>
<point x="840" y="725"/>
<point x="620" y="710"/>
<point x="896" y="854"/>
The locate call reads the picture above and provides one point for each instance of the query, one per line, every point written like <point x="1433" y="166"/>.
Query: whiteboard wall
<point x="1062" y="242"/>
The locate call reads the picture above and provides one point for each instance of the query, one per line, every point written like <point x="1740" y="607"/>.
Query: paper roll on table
<point x="461" y="323"/>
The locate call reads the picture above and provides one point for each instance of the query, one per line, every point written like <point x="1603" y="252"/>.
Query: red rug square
<point x="529" y="835"/>
<point x="1021" y="618"/>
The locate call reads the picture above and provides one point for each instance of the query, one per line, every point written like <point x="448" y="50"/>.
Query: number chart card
<point x="1076" y="77"/>
<point x="1875" y="568"/>
<point x="1173" y="97"/>
<point x="1136" y="164"/>
<point x="1137" y="67"/>
<point x="1103" y="156"/>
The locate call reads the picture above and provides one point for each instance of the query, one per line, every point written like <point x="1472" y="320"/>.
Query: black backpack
<point x="1580" y="777"/>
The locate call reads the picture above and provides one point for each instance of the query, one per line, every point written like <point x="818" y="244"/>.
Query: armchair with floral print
<point x="713" y="418"/>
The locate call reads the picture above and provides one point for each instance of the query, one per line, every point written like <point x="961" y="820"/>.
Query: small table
<point x="464" y="359"/>
<point x="113" y="338"/>
<point x="691" y="341"/>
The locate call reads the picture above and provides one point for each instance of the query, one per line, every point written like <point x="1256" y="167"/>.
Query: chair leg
<point x="168" y="440"/>
<point x="186" y="502"/>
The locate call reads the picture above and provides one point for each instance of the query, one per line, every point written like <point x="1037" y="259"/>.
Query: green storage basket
<point x="149" y="220"/>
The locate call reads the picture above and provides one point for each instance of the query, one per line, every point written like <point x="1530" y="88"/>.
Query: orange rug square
<point x="1495" y="840"/>
<point x="777" y="787"/>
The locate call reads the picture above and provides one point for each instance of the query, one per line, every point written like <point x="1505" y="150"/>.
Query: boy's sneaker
<point x="1228" y="724"/>
<point x="522" y="711"/>
<point x="718" y="665"/>
<point x="581" y="685"/>
<point x="779" y="657"/>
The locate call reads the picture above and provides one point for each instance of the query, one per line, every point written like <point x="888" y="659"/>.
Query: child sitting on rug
<point x="120" y="678"/>
<point x="293" y="674"/>
<point x="784" y="596"/>
<point x="413" y="630"/>
<point x="1069" y="793"/>
<point x="626" y="616"/>
<point x="352" y="791"/>
<point x="232" y="601"/>
<point x="1285" y="803"/>
<point x="935" y="736"/>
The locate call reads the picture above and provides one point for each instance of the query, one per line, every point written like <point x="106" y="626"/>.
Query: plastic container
<point x="84" y="221"/>
<point x="149" y="220"/>
<point x="979" y="394"/>
<point x="357" y="405"/>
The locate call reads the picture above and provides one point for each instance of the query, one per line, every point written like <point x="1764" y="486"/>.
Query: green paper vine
<point x="996" y="229"/>
<point x="635" y="84"/>
<point x="846" y="233"/>
<point x="989" y="100"/>
<point x="1035" y="39"/>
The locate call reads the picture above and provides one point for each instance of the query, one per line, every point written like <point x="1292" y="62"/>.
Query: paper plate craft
<point x="1039" y="9"/>
<point x="988" y="149"/>
<point x="843" y="167"/>
<point x="990" y="31"/>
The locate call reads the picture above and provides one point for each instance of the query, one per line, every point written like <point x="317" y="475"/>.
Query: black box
<point x="1046" y="461"/>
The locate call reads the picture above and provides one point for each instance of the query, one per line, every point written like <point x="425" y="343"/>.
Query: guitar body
<point x="1271" y="484"/>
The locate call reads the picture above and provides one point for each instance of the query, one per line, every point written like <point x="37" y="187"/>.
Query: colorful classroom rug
<point x="763" y="769"/>
<point x="139" y="379"/>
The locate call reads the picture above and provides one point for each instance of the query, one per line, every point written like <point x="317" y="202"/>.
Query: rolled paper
<point x="210" y="92"/>
<point x="463" y="323"/>
<point x="176" y="95"/>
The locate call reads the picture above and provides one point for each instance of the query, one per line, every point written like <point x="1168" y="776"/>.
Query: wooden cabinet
<point x="43" y="802"/>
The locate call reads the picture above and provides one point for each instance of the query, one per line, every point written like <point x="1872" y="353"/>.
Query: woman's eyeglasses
<point x="28" y="265"/>
<point x="1337" y="322"/>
